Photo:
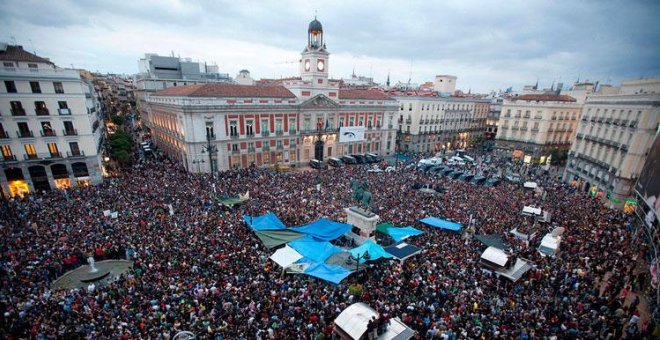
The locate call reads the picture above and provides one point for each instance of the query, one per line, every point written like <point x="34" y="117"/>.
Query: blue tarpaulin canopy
<point x="324" y="229"/>
<point x="399" y="234"/>
<point x="442" y="224"/>
<point x="317" y="251"/>
<point x="375" y="251"/>
<point x="402" y="250"/>
<point x="265" y="222"/>
<point x="331" y="273"/>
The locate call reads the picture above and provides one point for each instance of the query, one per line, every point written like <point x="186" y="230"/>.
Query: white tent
<point x="530" y="185"/>
<point x="495" y="255"/>
<point x="354" y="319"/>
<point x="549" y="245"/>
<point x="529" y="210"/>
<point x="286" y="256"/>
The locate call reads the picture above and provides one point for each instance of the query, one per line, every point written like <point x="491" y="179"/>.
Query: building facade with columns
<point x="210" y="127"/>
<point x="50" y="129"/>
<point x="538" y="123"/>
<point x="613" y="140"/>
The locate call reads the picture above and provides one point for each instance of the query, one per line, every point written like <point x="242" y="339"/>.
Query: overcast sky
<point x="487" y="44"/>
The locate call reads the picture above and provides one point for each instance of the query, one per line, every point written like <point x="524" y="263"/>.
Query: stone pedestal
<point x="365" y="221"/>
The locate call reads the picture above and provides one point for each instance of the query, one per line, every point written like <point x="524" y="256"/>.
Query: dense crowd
<point x="202" y="270"/>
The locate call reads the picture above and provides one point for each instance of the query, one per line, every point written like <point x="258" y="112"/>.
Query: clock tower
<point x="314" y="59"/>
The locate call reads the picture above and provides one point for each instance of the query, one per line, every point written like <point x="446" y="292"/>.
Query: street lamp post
<point x="198" y="162"/>
<point x="211" y="149"/>
<point x="362" y="256"/>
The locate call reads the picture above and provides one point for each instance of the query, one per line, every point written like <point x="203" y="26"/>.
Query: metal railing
<point x="9" y="158"/>
<point x="25" y="134"/>
<point x="234" y="136"/>
<point x="75" y="154"/>
<point x="279" y="133"/>
<point x="64" y="112"/>
<point x="42" y="112"/>
<point x="265" y="133"/>
<point x="18" y="112"/>
<point x="48" y="133"/>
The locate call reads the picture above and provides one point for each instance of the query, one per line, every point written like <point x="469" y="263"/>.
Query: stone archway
<point x="39" y="177"/>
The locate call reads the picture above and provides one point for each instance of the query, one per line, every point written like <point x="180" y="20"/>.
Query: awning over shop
<point x="286" y="256"/>
<point x="330" y="273"/>
<point x="317" y="251"/>
<point x="491" y="241"/>
<point x="324" y="229"/>
<point x="375" y="251"/>
<point x="442" y="224"/>
<point x="266" y="222"/>
<point x="275" y="238"/>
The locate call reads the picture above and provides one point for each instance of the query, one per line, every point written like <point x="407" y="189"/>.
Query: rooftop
<point x="545" y="98"/>
<point x="226" y="90"/>
<point x="363" y="94"/>
<point x="17" y="53"/>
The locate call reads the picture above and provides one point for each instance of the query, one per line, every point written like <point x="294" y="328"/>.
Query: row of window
<point x="40" y="108"/>
<point x="437" y="107"/>
<point x="539" y="115"/>
<point x="611" y="114"/>
<point x="35" y="86"/>
<point x="47" y="130"/>
<point x="320" y="124"/>
<point x="31" y="151"/>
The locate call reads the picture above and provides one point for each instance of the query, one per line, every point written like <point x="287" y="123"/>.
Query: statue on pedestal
<point x="361" y="194"/>
<point x="91" y="262"/>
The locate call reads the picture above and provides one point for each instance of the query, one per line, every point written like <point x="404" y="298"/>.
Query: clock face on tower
<point x="321" y="65"/>
<point x="306" y="65"/>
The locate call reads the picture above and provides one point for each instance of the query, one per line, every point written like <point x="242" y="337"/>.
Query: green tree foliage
<point x="119" y="120"/>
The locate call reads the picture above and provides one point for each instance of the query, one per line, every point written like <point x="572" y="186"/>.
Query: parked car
<point x="447" y="171"/>
<point x="369" y="158"/>
<point x="316" y="164"/>
<point x="335" y="162"/>
<point x="467" y="177"/>
<point x="376" y="157"/>
<point x="492" y="182"/>
<point x="436" y="169"/>
<point x="478" y="180"/>
<point x="348" y="160"/>
<point x="456" y="174"/>
<point x="514" y="178"/>
<point x="360" y="159"/>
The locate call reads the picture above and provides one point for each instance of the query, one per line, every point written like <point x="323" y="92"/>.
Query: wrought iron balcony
<point x="48" y="133"/>
<point x="72" y="132"/>
<point x="9" y="158"/>
<point x="71" y="154"/>
<point x="42" y="112"/>
<point x="265" y="133"/>
<point x="25" y="134"/>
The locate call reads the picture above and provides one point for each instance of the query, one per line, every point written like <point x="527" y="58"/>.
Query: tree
<point x="118" y="120"/>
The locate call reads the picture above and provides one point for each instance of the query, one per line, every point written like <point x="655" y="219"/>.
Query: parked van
<point x="348" y="159"/>
<point x="316" y="164"/>
<point x="336" y="162"/>
<point x="468" y="158"/>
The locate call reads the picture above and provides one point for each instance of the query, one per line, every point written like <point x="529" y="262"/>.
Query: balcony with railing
<point x="76" y="154"/>
<point x="408" y="121"/>
<point x="25" y="134"/>
<point x="42" y="112"/>
<point x="538" y="117"/>
<point x="4" y="134"/>
<point x="48" y="133"/>
<point x="292" y="132"/>
<point x="30" y="157"/>
<point x="624" y="147"/>
<point x="64" y="112"/>
<point x="535" y="129"/>
<point x="265" y="133"/>
<point x="633" y="124"/>
<point x="9" y="158"/>
<point x="55" y="155"/>
<point x="279" y="132"/>
<point x="18" y="112"/>
<point x="515" y="128"/>
<point x="266" y="147"/>
<point x="251" y="149"/>
<point x="249" y="134"/>
<point x="235" y="151"/>
<point x="234" y="135"/>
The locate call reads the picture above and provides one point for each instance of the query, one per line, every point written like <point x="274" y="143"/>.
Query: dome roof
<point x="315" y="25"/>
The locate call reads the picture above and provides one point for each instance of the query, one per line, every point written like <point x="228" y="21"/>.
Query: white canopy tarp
<point x="532" y="210"/>
<point x="354" y="319"/>
<point x="530" y="185"/>
<point x="286" y="256"/>
<point x="549" y="245"/>
<point x="495" y="255"/>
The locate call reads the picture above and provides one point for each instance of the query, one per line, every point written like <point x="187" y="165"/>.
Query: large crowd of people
<point x="202" y="270"/>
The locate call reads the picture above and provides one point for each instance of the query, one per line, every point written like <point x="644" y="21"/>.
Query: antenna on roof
<point x="32" y="46"/>
<point x="410" y="73"/>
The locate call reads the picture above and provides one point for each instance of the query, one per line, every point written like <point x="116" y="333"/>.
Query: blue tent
<point x="331" y="273"/>
<point x="442" y="224"/>
<point x="399" y="234"/>
<point x="375" y="251"/>
<point x="324" y="229"/>
<point x="317" y="251"/>
<point x="265" y="222"/>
